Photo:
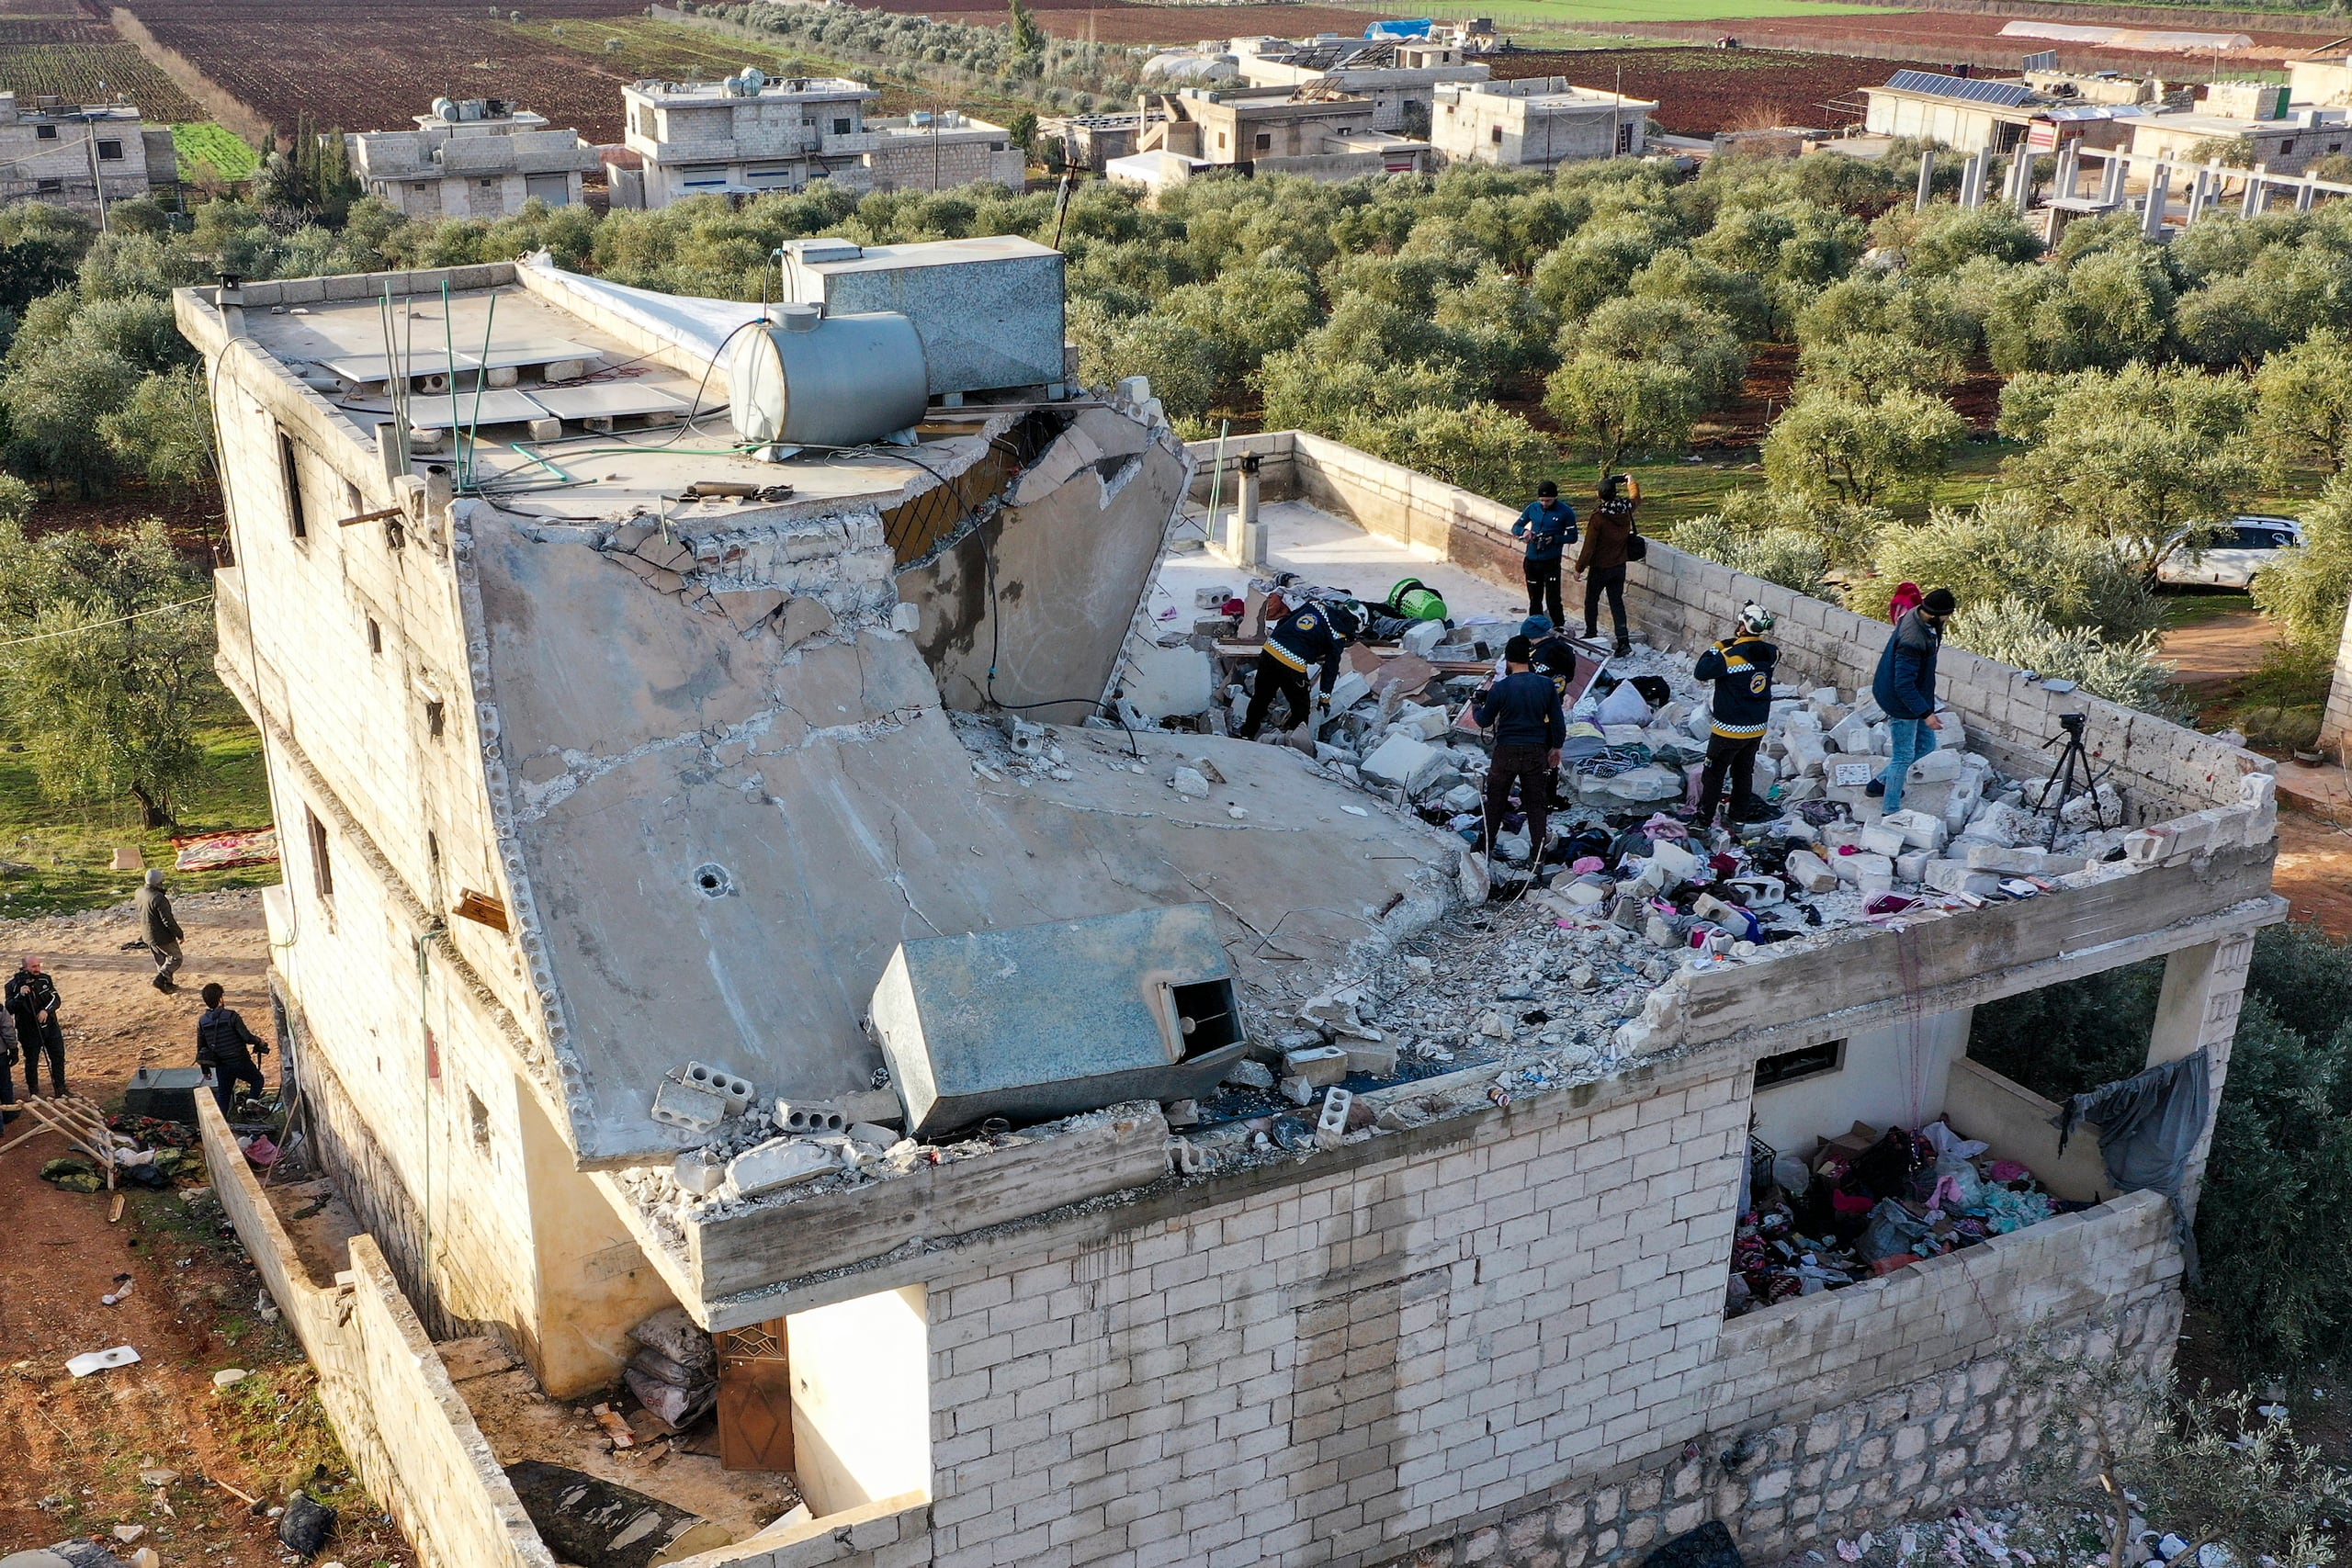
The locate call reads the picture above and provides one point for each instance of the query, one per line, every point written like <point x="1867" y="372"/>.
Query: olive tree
<point x="1612" y="406"/>
<point x="1844" y="448"/>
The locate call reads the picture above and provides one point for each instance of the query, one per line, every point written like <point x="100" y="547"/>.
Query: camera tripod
<point x="2073" y="776"/>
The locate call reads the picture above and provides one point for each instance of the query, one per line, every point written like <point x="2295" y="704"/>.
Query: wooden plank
<point x="754" y="1398"/>
<point x="833" y="1230"/>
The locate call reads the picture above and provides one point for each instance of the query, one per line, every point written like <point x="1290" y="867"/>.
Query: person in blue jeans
<point x="1904" y="687"/>
<point x="1549" y="526"/>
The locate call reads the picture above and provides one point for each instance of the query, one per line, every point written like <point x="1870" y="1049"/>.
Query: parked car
<point x="2247" y="546"/>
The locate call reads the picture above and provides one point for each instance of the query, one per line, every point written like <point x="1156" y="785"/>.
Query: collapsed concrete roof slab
<point x="725" y="839"/>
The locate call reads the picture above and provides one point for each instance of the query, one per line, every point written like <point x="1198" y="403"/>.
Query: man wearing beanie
<point x="1524" y="711"/>
<point x="1904" y="687"/>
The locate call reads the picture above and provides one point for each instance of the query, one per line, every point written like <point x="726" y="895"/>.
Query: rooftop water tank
<point x="810" y="379"/>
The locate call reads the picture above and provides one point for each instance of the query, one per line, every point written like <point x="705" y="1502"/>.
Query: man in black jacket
<point x="160" y="928"/>
<point x="1312" y="635"/>
<point x="31" y="998"/>
<point x="1740" y="669"/>
<point x="1523" y="710"/>
<point x="221" y="1043"/>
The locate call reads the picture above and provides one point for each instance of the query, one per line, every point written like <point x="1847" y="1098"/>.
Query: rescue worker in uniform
<point x="1314" y="633"/>
<point x="1740" y="670"/>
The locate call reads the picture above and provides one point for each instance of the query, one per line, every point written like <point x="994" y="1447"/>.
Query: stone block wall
<point x="408" y="1432"/>
<point x="2165" y="769"/>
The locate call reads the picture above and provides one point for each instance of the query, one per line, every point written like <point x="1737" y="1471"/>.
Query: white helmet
<point x="1755" y="618"/>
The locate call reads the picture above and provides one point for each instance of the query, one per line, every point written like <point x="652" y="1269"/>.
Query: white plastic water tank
<point x="810" y="379"/>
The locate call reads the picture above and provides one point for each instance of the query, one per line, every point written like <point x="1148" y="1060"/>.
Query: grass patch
<point x="67" y="844"/>
<point x="204" y="145"/>
<point x="2185" y="610"/>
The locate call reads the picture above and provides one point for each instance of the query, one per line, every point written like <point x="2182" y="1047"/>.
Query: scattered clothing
<point x="2148" y="1126"/>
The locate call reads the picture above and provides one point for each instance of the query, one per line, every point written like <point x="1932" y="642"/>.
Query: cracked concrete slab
<point x="645" y="741"/>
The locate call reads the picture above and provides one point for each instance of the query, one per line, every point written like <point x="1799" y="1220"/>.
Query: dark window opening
<point x="375" y="635"/>
<point x="1266" y="142"/>
<point x="44" y="133"/>
<point x="49" y="187"/>
<point x="1813" y="1062"/>
<point x="841" y="128"/>
<point x="436" y="717"/>
<point x="1496" y="135"/>
<point x="110" y="152"/>
<point x="290" y="471"/>
<point x="321" y="866"/>
<point x="1207" y="1016"/>
<point x="478" y="1122"/>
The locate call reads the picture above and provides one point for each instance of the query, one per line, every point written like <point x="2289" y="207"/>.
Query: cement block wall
<point x="422" y="1113"/>
<point x="2165" y="770"/>
<point x="409" y="1434"/>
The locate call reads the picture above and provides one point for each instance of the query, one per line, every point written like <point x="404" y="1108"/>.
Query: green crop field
<point x="1527" y="13"/>
<point x="93" y="73"/>
<point x="203" y="144"/>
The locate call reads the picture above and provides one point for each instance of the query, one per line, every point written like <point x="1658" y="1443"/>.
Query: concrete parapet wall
<point x="407" y="1430"/>
<point x="2165" y="769"/>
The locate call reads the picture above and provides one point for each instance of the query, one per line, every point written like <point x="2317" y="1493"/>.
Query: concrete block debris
<point x="2013" y="861"/>
<point x="779" y="1162"/>
<point x="1918" y="829"/>
<point x="1297" y="1090"/>
<point x="1331" y="1126"/>
<point x="1190" y="783"/>
<point x="1404" y="761"/>
<point x="1321" y="1065"/>
<point x="699" y="1172"/>
<point x="810" y="1116"/>
<point x="1250" y="1074"/>
<point x="698" y="1097"/>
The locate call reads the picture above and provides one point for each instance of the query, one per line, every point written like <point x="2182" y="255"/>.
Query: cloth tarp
<point x="2148" y="1126"/>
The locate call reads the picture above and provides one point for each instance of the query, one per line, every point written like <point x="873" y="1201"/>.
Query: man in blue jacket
<point x="1549" y="526"/>
<point x="1740" y="669"/>
<point x="1906" y="687"/>
<point x="1313" y="634"/>
<point x="1524" y="711"/>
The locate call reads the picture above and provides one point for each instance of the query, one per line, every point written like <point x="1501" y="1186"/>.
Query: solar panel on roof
<point x="2003" y="94"/>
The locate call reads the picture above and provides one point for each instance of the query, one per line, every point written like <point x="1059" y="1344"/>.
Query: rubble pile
<point x="1869" y="1204"/>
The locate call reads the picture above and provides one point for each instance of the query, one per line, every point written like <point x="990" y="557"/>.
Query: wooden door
<point x="754" y="1398"/>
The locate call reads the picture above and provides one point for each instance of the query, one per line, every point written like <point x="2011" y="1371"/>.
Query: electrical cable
<point x="98" y="625"/>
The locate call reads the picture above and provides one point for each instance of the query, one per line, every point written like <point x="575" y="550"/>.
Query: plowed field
<point x="1701" y="91"/>
<point x="50" y="46"/>
<point x="1975" y="38"/>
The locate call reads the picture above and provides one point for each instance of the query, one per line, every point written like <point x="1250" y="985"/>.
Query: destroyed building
<point x="734" y="890"/>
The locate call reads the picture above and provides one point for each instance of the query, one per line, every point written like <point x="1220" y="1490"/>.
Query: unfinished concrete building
<point x="1398" y="77"/>
<point x="745" y="134"/>
<point x="1317" y="131"/>
<point x="472" y="158"/>
<point x="677" y="917"/>
<point x="80" y="155"/>
<point x="1538" y="122"/>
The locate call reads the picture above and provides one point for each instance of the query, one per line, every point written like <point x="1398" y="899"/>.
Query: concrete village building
<point x="713" y="942"/>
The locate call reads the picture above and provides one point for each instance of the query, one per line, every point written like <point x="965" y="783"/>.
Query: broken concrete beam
<point x="2023" y="862"/>
<point x="1376" y="1057"/>
<point x="1321" y="1065"/>
<point x="1955" y="876"/>
<point x="779" y="1162"/>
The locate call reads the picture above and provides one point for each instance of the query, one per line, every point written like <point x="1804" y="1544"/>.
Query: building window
<point x="436" y="719"/>
<point x="321" y="867"/>
<point x="2287" y="146"/>
<point x="486" y="185"/>
<point x="1495" y="134"/>
<point x="110" y="152"/>
<point x="420" y="185"/>
<point x="841" y="126"/>
<point x="289" y="471"/>
<point x="478" y="1123"/>
<point x="375" y="635"/>
<point x="1790" y="1066"/>
<point x="1266" y="142"/>
<point x="44" y="133"/>
<point x="645" y="122"/>
<point x="48" y="186"/>
<point x="1220" y="138"/>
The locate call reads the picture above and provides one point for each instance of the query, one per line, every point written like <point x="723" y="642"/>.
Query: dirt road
<point x="74" y="1449"/>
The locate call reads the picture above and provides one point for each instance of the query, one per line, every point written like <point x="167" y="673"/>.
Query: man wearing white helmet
<point x="1740" y="669"/>
<point x="1311" y="635"/>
